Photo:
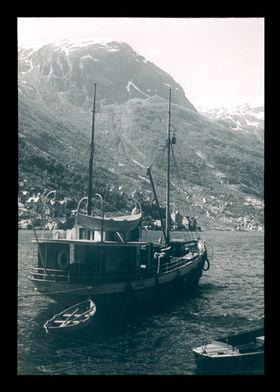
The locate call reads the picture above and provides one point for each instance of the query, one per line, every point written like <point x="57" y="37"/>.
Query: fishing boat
<point x="106" y="258"/>
<point x="71" y="319"/>
<point x="242" y="352"/>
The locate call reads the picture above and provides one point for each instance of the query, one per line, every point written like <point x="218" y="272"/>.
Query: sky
<point x="217" y="61"/>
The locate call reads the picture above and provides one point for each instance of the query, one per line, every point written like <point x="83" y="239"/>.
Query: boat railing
<point x="175" y="264"/>
<point x="49" y="275"/>
<point x="53" y="275"/>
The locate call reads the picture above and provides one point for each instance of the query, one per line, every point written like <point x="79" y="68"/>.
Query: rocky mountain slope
<point x="221" y="170"/>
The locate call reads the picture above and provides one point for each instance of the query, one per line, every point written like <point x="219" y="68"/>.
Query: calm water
<point x="230" y="298"/>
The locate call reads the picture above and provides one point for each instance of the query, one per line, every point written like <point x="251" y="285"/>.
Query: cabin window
<point x="86" y="234"/>
<point x="82" y="234"/>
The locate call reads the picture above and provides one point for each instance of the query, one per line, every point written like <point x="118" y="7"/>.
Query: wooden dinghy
<point x="71" y="319"/>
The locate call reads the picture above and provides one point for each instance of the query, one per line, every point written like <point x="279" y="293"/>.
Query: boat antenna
<point x="168" y="142"/>
<point x="90" y="171"/>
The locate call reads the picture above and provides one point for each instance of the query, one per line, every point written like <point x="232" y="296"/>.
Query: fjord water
<point x="229" y="299"/>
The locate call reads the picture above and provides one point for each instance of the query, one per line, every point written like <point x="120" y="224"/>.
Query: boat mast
<point x="168" y="142"/>
<point x="156" y="201"/>
<point x="90" y="171"/>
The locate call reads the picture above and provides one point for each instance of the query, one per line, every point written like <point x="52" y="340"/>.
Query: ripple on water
<point x="229" y="299"/>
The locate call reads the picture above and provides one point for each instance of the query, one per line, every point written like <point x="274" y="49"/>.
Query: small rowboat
<point x="71" y="319"/>
<point x="242" y="352"/>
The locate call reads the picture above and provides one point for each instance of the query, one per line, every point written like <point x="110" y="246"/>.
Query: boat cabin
<point x="117" y="256"/>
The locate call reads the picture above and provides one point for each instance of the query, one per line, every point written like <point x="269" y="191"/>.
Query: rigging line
<point x="180" y="182"/>
<point x="159" y="171"/>
<point x="179" y="178"/>
<point x="180" y="155"/>
<point x="181" y="164"/>
<point x="160" y="150"/>
<point x="178" y="171"/>
<point x="181" y="188"/>
<point x="182" y="201"/>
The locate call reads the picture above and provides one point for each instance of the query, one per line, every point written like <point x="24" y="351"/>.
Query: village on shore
<point x="37" y="210"/>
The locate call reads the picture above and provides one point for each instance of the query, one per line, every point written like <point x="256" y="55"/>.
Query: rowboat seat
<point x="71" y="320"/>
<point x="218" y="348"/>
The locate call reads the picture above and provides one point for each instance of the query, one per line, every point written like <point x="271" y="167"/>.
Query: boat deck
<point x="216" y="348"/>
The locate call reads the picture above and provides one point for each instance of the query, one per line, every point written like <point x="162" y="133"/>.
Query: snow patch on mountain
<point x="139" y="164"/>
<point x="112" y="49"/>
<point x="253" y="123"/>
<point x="203" y="157"/>
<point x="70" y="45"/>
<point x="144" y="179"/>
<point x="245" y="118"/>
<point x="130" y="83"/>
<point x="237" y="128"/>
<point x="260" y="115"/>
<point x="200" y="155"/>
<point x="90" y="58"/>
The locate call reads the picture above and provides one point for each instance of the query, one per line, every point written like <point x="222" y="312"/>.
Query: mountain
<point x="71" y="68"/>
<point x="244" y="118"/>
<point x="221" y="169"/>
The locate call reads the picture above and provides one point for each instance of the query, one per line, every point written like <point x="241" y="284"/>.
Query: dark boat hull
<point x="139" y="292"/>
<point x="246" y="363"/>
